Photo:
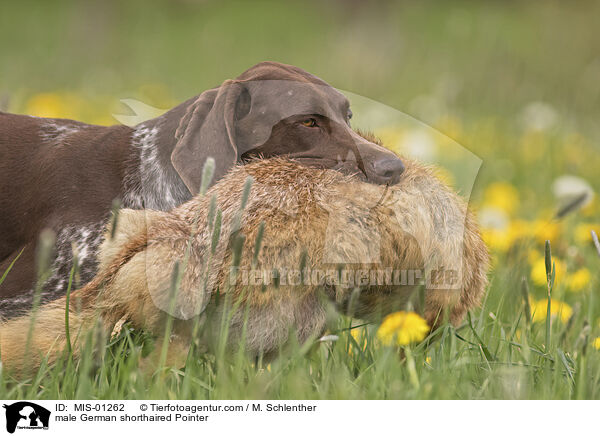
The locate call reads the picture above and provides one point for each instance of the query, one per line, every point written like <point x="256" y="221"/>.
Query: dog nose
<point x="388" y="170"/>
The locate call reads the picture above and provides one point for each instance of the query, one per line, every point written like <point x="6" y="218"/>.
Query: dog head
<point x="272" y="110"/>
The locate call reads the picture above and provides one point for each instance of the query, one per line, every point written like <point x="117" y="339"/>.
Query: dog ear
<point x="207" y="129"/>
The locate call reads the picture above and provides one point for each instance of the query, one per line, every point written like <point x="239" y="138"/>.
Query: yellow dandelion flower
<point x="538" y="271"/>
<point x="557" y="309"/>
<point x="502" y="238"/>
<point x="597" y="343"/>
<point x="583" y="232"/>
<point x="496" y="240"/>
<point x="56" y="105"/>
<point x="359" y="334"/>
<point x="46" y="105"/>
<point x="519" y="229"/>
<point x="402" y="328"/>
<point x="579" y="279"/>
<point x="543" y="230"/>
<point x="503" y="196"/>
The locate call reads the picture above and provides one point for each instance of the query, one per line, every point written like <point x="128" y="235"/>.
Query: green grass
<point x="484" y="358"/>
<point x="481" y="63"/>
<point x="500" y="351"/>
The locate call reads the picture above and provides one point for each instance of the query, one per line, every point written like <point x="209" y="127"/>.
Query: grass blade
<point x="11" y="265"/>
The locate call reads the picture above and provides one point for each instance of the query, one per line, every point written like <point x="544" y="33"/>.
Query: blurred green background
<point x="472" y="62"/>
<point x="482" y="59"/>
<point x="516" y="83"/>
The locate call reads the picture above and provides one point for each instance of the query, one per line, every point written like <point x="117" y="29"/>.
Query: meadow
<point x="516" y="85"/>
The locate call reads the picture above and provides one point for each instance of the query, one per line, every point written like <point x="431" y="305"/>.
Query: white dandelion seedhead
<point x="569" y="188"/>
<point x="539" y="116"/>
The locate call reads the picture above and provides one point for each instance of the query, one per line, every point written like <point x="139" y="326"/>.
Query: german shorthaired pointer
<point x="64" y="175"/>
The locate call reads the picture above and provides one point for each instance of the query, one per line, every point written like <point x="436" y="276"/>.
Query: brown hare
<point x="275" y="257"/>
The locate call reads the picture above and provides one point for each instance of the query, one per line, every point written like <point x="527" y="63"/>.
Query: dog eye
<point x="349" y="116"/>
<point x="309" y="122"/>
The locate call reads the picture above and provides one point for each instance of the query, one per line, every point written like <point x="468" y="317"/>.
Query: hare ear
<point x="207" y="130"/>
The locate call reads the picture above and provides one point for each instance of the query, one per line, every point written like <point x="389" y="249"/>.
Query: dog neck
<point x="151" y="181"/>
